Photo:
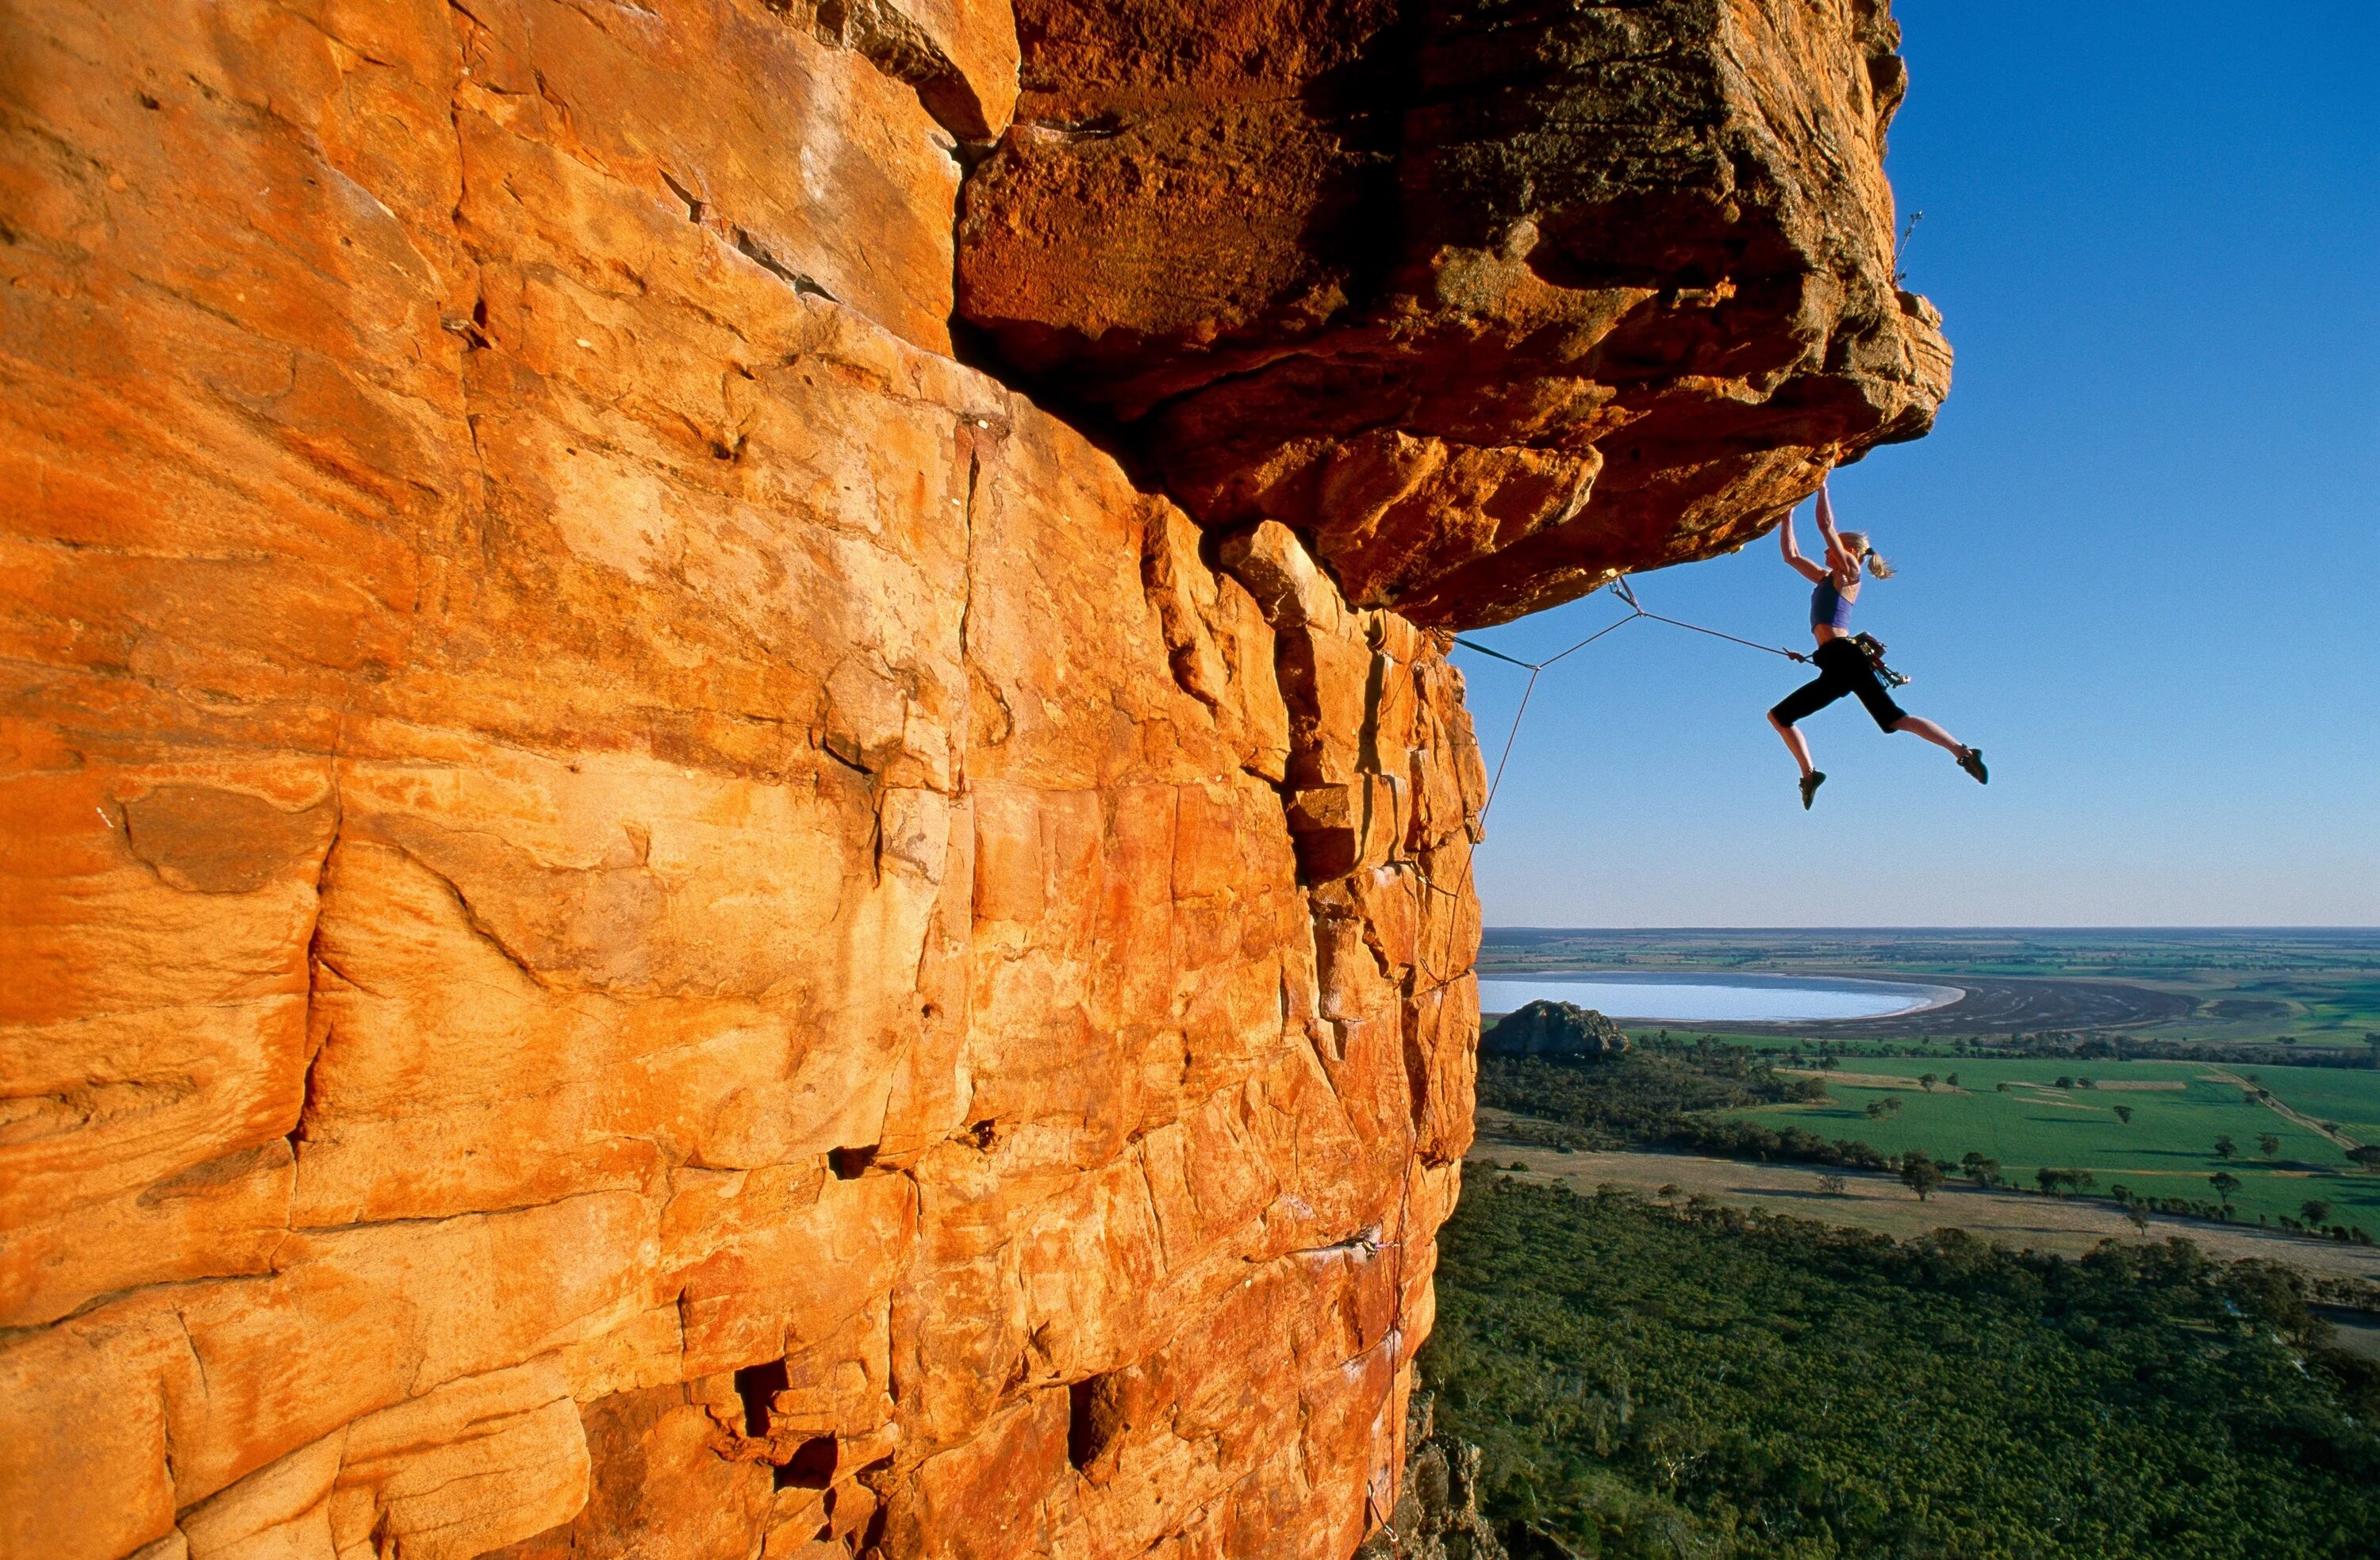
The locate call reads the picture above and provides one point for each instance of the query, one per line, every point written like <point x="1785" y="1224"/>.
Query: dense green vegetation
<point x="1642" y="1094"/>
<point x="1708" y="1385"/>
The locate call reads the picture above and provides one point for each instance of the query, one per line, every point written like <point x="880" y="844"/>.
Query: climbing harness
<point x="1873" y="649"/>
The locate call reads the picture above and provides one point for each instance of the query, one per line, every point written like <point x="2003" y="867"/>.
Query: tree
<point x="2316" y="1210"/>
<point x="2268" y="1145"/>
<point x="1878" y="1109"/>
<point x="2056" y="1181"/>
<point x="2139" y="1213"/>
<point x="2225" y="1185"/>
<point x="2064" y="1082"/>
<point x="2124" y="1114"/>
<point x="2002" y="1087"/>
<point x="2224" y="1147"/>
<point x="1926" y="1080"/>
<point x="1831" y="1185"/>
<point x="1921" y="1175"/>
<point x="2368" y="1156"/>
<point x="1980" y="1168"/>
<point x="1668" y="1191"/>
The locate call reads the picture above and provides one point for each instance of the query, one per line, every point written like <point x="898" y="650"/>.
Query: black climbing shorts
<point x="1842" y="669"/>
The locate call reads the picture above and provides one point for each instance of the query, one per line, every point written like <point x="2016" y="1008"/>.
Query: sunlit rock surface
<point x="644" y="918"/>
<point x="1488" y="299"/>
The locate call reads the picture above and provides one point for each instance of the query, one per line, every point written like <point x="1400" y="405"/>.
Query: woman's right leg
<point x="1795" y="743"/>
<point x="1799" y="704"/>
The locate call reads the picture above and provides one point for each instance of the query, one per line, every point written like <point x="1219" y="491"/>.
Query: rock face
<point x="1554" y="1029"/>
<point x="643" y="918"/>
<point x="1488" y="300"/>
<point x="1437" y="1515"/>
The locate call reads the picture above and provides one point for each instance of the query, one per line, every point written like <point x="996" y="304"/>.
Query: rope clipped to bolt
<point x="1536" y="669"/>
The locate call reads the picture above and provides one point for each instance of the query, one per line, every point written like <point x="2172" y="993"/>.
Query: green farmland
<point x="2167" y="1149"/>
<point x="2348" y="1100"/>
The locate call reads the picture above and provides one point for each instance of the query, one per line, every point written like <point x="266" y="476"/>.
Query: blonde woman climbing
<point x="1847" y="664"/>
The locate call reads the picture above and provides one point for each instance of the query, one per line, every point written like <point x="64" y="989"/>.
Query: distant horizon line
<point x="1979" y="927"/>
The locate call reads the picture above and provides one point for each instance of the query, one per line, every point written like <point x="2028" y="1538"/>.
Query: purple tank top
<point x="1829" y="608"/>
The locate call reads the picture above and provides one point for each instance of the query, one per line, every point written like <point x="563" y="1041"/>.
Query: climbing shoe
<point x="1810" y="783"/>
<point x="1972" y="762"/>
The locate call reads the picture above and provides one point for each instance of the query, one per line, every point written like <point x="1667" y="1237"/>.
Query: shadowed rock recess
<point x="644" y="918"/>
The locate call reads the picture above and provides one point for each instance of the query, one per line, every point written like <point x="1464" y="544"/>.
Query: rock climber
<point x="1847" y="665"/>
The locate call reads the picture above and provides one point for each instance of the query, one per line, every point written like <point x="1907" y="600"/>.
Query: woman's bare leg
<point x="1918" y="726"/>
<point x="1796" y="746"/>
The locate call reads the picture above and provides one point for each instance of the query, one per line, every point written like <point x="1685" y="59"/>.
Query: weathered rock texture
<point x="1490" y="299"/>
<point x="645" y="919"/>
<point x="1437" y="1515"/>
<point x="641" y="911"/>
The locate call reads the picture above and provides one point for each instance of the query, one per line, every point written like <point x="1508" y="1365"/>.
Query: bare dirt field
<point x="1867" y="1080"/>
<point x="1997" y="1004"/>
<point x="1871" y="1201"/>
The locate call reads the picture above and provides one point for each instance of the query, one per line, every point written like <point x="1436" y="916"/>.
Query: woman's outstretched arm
<point x="1793" y="550"/>
<point x="1839" y="563"/>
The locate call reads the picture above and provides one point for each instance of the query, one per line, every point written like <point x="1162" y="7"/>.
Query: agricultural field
<point x="2014" y="1111"/>
<point x="1877" y="1201"/>
<point x="2348" y="1100"/>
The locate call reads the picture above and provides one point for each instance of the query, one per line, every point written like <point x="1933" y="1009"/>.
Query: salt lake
<point x="1714" y="999"/>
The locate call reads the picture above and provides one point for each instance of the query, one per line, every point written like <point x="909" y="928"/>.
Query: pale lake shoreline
<point x="1714" y="998"/>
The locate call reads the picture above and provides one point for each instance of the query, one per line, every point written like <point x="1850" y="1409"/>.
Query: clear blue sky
<point x="2139" y="553"/>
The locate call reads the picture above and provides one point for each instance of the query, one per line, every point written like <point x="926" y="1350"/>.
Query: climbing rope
<point x="1534" y="669"/>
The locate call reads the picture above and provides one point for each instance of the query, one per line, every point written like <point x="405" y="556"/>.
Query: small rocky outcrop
<point x="1554" y="1029"/>
<point x="1436" y="1515"/>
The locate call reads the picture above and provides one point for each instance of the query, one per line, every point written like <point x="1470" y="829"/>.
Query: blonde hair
<point x="1855" y="543"/>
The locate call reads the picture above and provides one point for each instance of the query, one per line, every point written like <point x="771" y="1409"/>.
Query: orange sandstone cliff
<point x="645" y="916"/>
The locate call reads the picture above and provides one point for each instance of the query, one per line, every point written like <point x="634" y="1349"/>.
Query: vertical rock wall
<point x="642" y="918"/>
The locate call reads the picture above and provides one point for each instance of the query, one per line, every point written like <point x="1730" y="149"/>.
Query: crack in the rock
<point x="751" y="249"/>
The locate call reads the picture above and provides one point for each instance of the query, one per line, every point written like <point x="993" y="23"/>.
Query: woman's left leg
<point x="1970" y="758"/>
<point x="1892" y="717"/>
<point x="1917" y="725"/>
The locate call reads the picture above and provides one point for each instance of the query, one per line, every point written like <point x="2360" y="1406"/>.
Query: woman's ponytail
<point x="1877" y="566"/>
